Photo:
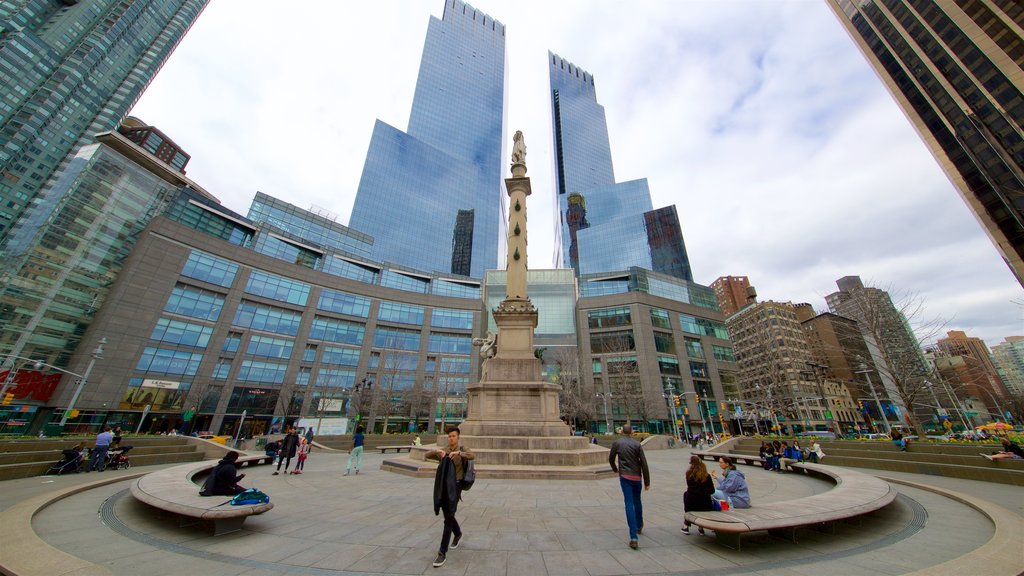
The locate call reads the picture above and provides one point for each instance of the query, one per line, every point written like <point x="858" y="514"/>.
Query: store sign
<point x="163" y="384"/>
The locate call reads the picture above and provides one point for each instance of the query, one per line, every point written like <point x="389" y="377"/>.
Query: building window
<point x="222" y="369"/>
<point x="335" y="378"/>
<point x="232" y="342"/>
<point x="694" y="349"/>
<point x="664" y="343"/>
<point x="340" y="356"/>
<point x="309" y="354"/>
<point x="195" y="302"/>
<point x="612" y="342"/>
<point x="338" y="331"/>
<point x="208" y="268"/>
<point x="449" y="344"/>
<point x="267" y="318"/>
<point x="446" y="318"/>
<point x="660" y="318"/>
<point x="723" y="353"/>
<point x="277" y="288"/>
<point x="609" y="317"/>
<point x="342" y="303"/>
<point x="395" y="338"/>
<point x="170" y="331"/>
<point x="166" y="361"/>
<point x="258" y="371"/>
<point x="269" y="347"/>
<point x="400" y="313"/>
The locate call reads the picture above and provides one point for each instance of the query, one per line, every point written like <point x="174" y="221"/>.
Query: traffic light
<point x="723" y="406"/>
<point x="676" y="400"/>
<point x="8" y="398"/>
<point x="697" y="396"/>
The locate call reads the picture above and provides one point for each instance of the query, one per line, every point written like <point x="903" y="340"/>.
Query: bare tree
<point x="623" y="371"/>
<point x="574" y="405"/>
<point x="893" y="324"/>
<point x="390" y="378"/>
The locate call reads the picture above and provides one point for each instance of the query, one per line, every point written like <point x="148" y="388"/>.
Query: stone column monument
<point x="512" y="421"/>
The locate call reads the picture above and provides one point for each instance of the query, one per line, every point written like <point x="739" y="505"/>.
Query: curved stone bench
<point x="855" y="494"/>
<point x="173" y="490"/>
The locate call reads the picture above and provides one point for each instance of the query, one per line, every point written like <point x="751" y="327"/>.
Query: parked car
<point x="215" y="438"/>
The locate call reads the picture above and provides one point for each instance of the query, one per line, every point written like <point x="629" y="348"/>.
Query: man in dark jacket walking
<point x="223" y="481"/>
<point x="451" y="469"/>
<point x="289" y="444"/>
<point x="632" y="468"/>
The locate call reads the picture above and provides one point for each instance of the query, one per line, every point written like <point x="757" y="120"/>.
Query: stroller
<point x="71" y="461"/>
<point x="118" y="458"/>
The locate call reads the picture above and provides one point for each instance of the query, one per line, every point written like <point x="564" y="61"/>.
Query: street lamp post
<point x="670" y="392"/>
<point x="818" y="370"/>
<point x="97" y="354"/>
<point x="606" y="397"/>
<point x="865" y="370"/>
<point x="1002" y="413"/>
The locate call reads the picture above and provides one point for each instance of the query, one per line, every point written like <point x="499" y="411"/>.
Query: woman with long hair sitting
<point x="699" y="488"/>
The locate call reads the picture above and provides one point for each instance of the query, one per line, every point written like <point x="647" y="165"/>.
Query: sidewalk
<point x="383" y="523"/>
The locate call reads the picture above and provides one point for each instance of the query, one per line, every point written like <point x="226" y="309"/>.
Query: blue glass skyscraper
<point x="603" y="225"/>
<point x="431" y="197"/>
<point x="70" y="70"/>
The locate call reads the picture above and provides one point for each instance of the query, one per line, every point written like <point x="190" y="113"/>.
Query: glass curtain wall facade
<point x="597" y="216"/>
<point x="955" y="69"/>
<point x="210" y="318"/>
<point x="70" y="70"/>
<point x="440" y="183"/>
<point x="62" y="259"/>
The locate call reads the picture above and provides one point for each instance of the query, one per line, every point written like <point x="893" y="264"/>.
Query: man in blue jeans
<point x="632" y="469"/>
<point x="99" y="452"/>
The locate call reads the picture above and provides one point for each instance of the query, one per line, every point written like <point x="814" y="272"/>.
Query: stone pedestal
<point x="512" y="423"/>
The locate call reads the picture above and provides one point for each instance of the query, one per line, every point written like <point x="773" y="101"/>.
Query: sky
<point x="785" y="156"/>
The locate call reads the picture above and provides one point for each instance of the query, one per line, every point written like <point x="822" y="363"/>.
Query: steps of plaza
<point x="27" y="458"/>
<point x="935" y="459"/>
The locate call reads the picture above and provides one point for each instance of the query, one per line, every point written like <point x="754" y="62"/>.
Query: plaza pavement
<point x="383" y="523"/>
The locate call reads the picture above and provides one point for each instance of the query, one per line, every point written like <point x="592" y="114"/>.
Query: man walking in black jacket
<point x="451" y="469"/>
<point x="632" y="468"/>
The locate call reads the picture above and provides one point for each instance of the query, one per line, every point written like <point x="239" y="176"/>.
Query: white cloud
<point x="760" y="121"/>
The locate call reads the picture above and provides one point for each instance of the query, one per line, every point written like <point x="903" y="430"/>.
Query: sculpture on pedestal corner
<point x="488" y="348"/>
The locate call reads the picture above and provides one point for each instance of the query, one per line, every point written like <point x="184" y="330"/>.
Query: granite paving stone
<point x="383" y="523"/>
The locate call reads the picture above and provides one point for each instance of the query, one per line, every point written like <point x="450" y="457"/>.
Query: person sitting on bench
<point x="223" y="480"/>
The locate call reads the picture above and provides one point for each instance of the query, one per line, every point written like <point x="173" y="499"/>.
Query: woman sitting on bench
<point x="223" y="480"/>
<point x="732" y="487"/>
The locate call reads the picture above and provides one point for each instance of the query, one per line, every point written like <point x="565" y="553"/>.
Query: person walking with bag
<point x="632" y="469"/>
<point x="451" y="470"/>
<point x="289" y="445"/>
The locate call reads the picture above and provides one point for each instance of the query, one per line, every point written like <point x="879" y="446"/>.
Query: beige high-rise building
<point x="775" y="376"/>
<point x="977" y="358"/>
<point x="956" y="68"/>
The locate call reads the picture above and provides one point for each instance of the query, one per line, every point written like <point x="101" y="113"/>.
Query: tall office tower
<point x="70" y="70"/>
<point x="1009" y="360"/>
<point x="956" y="70"/>
<point x="894" y="349"/>
<point x="603" y="226"/>
<point x="977" y="358"/>
<point x="440" y="183"/>
<point x="731" y="293"/>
